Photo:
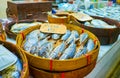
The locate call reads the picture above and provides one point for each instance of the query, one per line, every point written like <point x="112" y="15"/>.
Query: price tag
<point x="53" y="28"/>
<point x="81" y="16"/>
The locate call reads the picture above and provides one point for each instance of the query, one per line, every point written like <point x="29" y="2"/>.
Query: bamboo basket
<point x="60" y="65"/>
<point x="2" y="33"/>
<point x="78" y="73"/>
<point x="106" y="36"/>
<point x="8" y="26"/>
<point x="118" y="1"/>
<point x="17" y="51"/>
<point x="58" y="19"/>
<point x="3" y="36"/>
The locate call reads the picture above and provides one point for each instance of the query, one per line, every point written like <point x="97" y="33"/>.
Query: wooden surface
<point x="28" y="10"/>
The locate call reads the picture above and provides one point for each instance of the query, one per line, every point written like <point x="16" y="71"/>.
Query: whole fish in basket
<point x="90" y="45"/>
<point x="35" y="47"/>
<point x="73" y="37"/>
<point x="69" y="52"/>
<point x="31" y="38"/>
<point x="80" y="52"/>
<point x="83" y="38"/>
<point x="66" y="35"/>
<point x="101" y="24"/>
<point x="45" y="49"/>
<point x="33" y="34"/>
<point x="29" y="43"/>
<point x="42" y="35"/>
<point x="56" y="36"/>
<point x="57" y="51"/>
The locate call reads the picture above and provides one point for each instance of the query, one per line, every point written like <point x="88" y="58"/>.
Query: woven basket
<point x="3" y="36"/>
<point x="60" y="65"/>
<point x="59" y="20"/>
<point x="78" y="73"/>
<point x="106" y="36"/>
<point x="16" y="50"/>
<point x="9" y="26"/>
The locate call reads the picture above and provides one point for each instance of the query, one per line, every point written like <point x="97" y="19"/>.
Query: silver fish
<point x="87" y="24"/>
<point x="42" y="35"/>
<point x="55" y="36"/>
<point x="33" y="35"/>
<point x="16" y="28"/>
<point x="45" y="49"/>
<point x="28" y="44"/>
<point x="90" y="45"/>
<point x="69" y="52"/>
<point x="13" y="71"/>
<point x="41" y="42"/>
<point x="80" y="52"/>
<point x="35" y="47"/>
<point x="74" y="35"/>
<point x="89" y="13"/>
<point x="83" y="38"/>
<point x="66" y="35"/>
<point x="15" y="74"/>
<point x="101" y="24"/>
<point x="58" y="50"/>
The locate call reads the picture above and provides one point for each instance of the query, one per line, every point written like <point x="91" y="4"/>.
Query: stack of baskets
<point x="17" y="51"/>
<point x="71" y="68"/>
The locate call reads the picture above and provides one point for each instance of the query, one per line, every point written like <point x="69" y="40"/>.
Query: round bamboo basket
<point x="59" y="19"/>
<point x="17" y="51"/>
<point x="78" y="73"/>
<point x="8" y="26"/>
<point x="106" y="35"/>
<point x="60" y="65"/>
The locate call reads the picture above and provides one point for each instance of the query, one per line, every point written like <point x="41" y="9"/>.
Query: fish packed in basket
<point x="58" y="47"/>
<point x="71" y="44"/>
<point x="13" y="28"/>
<point x="112" y="12"/>
<point x="97" y="23"/>
<point x="10" y="64"/>
<point x="18" y="27"/>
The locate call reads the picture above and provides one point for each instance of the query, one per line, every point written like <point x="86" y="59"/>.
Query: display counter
<point x="107" y="62"/>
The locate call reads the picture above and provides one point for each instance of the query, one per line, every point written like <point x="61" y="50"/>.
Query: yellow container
<point x="58" y="19"/>
<point x="2" y="33"/>
<point x="78" y="73"/>
<point x="2" y="36"/>
<point x="118" y="1"/>
<point x="17" y="51"/>
<point x="60" y="65"/>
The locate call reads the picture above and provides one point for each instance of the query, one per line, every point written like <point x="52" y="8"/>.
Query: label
<point x="53" y="28"/>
